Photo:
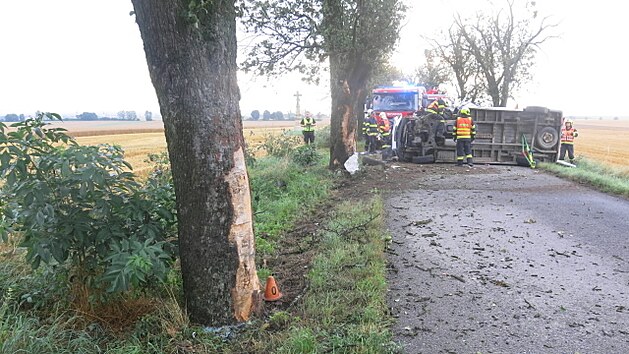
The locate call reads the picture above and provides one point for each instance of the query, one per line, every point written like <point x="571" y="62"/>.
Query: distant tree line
<point x="13" y="118"/>
<point x="267" y="115"/>
<point x="87" y="116"/>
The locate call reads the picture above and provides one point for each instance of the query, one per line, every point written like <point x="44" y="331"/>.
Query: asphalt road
<point x="508" y="260"/>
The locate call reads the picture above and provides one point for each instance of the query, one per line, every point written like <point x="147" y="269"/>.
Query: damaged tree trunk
<point x="343" y="120"/>
<point x="191" y="55"/>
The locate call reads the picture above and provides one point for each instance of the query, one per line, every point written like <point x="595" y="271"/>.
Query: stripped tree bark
<point x="190" y="48"/>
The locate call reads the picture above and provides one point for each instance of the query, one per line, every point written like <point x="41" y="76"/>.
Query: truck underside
<point x="500" y="134"/>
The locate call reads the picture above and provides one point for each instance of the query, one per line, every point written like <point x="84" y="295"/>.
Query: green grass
<point x="344" y="309"/>
<point x="284" y="192"/>
<point x="600" y="176"/>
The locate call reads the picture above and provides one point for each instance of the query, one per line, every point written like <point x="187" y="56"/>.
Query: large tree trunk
<point x="343" y="120"/>
<point x="193" y="68"/>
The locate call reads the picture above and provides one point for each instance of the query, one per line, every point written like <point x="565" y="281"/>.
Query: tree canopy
<point x="491" y="55"/>
<point x="353" y="36"/>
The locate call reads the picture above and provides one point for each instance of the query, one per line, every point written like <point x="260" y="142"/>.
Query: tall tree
<point x="352" y="35"/>
<point x="190" y="48"/>
<point x="451" y="49"/>
<point x="434" y="72"/>
<point x="266" y="115"/>
<point x="504" y="47"/>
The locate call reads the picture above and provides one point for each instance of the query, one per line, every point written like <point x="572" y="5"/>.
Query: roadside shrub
<point x="306" y="155"/>
<point x="80" y="206"/>
<point x="280" y="145"/>
<point x="322" y="140"/>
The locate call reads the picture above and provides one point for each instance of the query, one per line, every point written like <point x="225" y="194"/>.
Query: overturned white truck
<point x="501" y="136"/>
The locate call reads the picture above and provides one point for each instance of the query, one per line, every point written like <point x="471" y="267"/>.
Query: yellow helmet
<point x="465" y="112"/>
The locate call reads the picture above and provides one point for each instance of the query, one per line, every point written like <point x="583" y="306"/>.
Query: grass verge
<point x="344" y="309"/>
<point x="603" y="177"/>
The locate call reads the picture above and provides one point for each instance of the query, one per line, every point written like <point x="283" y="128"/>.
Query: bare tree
<point x="353" y="36"/>
<point x="190" y="47"/>
<point x="492" y="55"/>
<point x="504" y="47"/>
<point x="451" y="50"/>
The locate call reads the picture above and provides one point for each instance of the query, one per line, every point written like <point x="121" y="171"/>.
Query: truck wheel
<point x="547" y="138"/>
<point x="400" y="140"/>
<point x="522" y="161"/>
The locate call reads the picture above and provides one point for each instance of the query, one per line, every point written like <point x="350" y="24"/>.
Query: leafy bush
<point x="281" y="145"/>
<point x="322" y="138"/>
<point x="306" y="155"/>
<point x="80" y="205"/>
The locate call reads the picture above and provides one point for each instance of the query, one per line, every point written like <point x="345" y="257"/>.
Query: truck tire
<point x="400" y="140"/>
<point x="547" y="138"/>
<point x="536" y="109"/>
<point x="522" y="161"/>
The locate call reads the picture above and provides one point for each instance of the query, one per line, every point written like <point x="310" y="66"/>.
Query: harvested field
<point x="604" y="141"/>
<point x="142" y="138"/>
<point x="93" y="128"/>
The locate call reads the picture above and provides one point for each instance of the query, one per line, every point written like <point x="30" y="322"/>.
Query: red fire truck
<point x="403" y="101"/>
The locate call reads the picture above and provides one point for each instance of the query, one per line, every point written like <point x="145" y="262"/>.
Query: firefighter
<point x="438" y="107"/>
<point x="464" y="133"/>
<point x="370" y="129"/>
<point x="568" y="133"/>
<point x="308" y="123"/>
<point x="384" y="128"/>
<point x="365" y="127"/>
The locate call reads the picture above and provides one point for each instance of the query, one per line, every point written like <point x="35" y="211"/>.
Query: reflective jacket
<point x="370" y="126"/>
<point x="464" y="128"/>
<point x="568" y="135"/>
<point x="308" y="124"/>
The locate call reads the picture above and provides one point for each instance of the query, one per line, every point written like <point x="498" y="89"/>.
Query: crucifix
<point x="297" y="111"/>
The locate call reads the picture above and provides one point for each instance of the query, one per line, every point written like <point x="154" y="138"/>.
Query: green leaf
<point x="58" y="252"/>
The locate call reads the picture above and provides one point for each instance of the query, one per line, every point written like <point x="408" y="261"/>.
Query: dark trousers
<point x="569" y="148"/>
<point x="309" y="137"/>
<point x="372" y="143"/>
<point x="463" y="150"/>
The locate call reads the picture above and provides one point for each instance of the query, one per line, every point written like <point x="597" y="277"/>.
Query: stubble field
<point x="142" y="138"/>
<point x="606" y="141"/>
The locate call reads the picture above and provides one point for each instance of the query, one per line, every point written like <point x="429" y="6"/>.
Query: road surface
<point x="507" y="260"/>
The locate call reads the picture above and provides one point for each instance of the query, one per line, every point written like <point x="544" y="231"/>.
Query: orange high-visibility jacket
<point x="464" y="128"/>
<point x="568" y="135"/>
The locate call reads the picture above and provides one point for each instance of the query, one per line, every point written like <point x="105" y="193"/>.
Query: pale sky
<point x="70" y="56"/>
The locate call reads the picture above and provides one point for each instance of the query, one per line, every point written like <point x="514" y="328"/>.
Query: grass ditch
<point x="600" y="176"/>
<point x="344" y="309"/>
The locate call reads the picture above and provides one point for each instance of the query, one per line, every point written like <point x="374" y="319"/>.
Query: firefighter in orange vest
<point x="384" y="128"/>
<point x="568" y="133"/>
<point x="464" y="133"/>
